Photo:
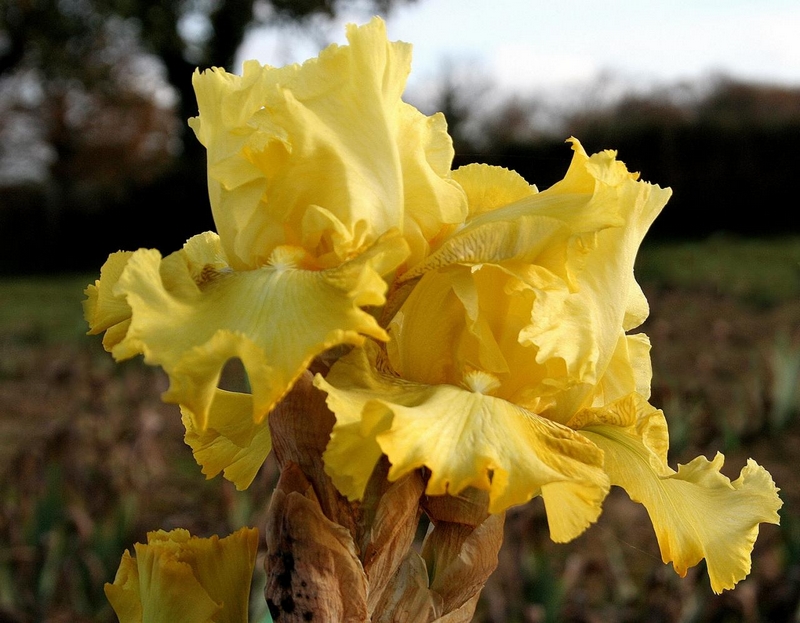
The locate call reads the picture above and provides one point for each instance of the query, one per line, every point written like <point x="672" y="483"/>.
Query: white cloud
<point x="520" y="66"/>
<point x="538" y="43"/>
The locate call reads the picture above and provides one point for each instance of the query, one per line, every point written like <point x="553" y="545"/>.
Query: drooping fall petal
<point x="324" y="155"/>
<point x="192" y="316"/>
<point x="232" y="442"/>
<point x="103" y="309"/>
<point x="697" y="512"/>
<point x="464" y="437"/>
<point x="177" y="578"/>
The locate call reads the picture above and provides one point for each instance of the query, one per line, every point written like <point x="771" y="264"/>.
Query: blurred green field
<point x="90" y="458"/>
<point x="43" y="309"/>
<point x="48" y="309"/>
<point x="762" y="272"/>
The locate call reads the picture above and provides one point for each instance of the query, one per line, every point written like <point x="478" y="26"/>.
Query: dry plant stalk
<point x="329" y="559"/>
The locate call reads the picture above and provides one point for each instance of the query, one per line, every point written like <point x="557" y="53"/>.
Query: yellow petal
<point x="552" y="228"/>
<point x="567" y="253"/>
<point x="697" y="512"/>
<point x="483" y="317"/>
<point x="606" y="296"/>
<point x="495" y="237"/>
<point x="490" y="187"/>
<point x="224" y="567"/>
<point x="477" y="316"/>
<point x="465" y="438"/>
<point x="325" y="155"/>
<point x="103" y="309"/>
<point x="628" y="372"/>
<point x="176" y="577"/>
<point x="232" y="442"/>
<point x="124" y="593"/>
<point x="169" y="591"/>
<point x="434" y="203"/>
<point x="192" y="316"/>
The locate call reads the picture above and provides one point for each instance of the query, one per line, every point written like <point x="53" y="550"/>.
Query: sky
<point x="539" y="47"/>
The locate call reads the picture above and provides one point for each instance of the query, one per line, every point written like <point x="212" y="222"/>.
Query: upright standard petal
<point x="629" y="371"/>
<point x="489" y="187"/>
<point x="697" y="512"/>
<point x="464" y="436"/>
<point x="177" y="578"/>
<point x="325" y="155"/>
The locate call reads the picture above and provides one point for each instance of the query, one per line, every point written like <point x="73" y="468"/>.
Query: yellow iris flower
<point x="489" y="321"/>
<point x="176" y="577"/>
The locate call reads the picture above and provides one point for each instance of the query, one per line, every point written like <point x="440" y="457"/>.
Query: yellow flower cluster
<point x="489" y="322"/>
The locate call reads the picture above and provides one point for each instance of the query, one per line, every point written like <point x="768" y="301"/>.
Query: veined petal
<point x="192" y="318"/>
<point x="232" y="442"/>
<point x="465" y="438"/>
<point x="493" y="238"/>
<point x="178" y="578"/>
<point x="325" y="155"/>
<point x="552" y="228"/>
<point x="629" y="371"/>
<point x="489" y="187"/>
<point x="697" y="512"/>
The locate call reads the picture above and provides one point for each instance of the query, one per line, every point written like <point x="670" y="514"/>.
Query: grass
<point x="765" y="272"/>
<point x="43" y="309"/>
<point x="90" y="458"/>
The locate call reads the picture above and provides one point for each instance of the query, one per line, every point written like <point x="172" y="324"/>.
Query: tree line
<point x="728" y="155"/>
<point x="96" y="155"/>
